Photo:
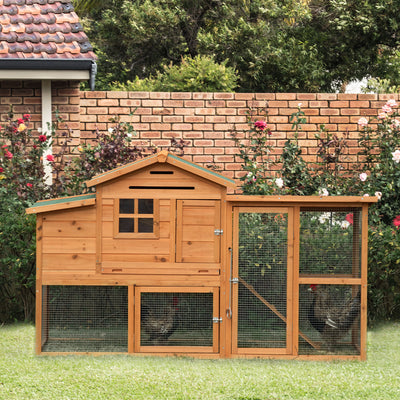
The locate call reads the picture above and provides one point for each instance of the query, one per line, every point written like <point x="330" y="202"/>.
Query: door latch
<point x="217" y="320"/>
<point x="218" y="232"/>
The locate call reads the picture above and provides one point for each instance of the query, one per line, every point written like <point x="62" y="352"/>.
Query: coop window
<point x="136" y="218"/>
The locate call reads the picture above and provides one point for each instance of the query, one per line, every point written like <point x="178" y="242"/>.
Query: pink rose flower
<point x="261" y="125"/>
<point x="363" y="121"/>
<point x="50" y="157"/>
<point x="363" y="177"/>
<point x="387" y="109"/>
<point x="396" y="156"/>
<point x="382" y="115"/>
<point x="8" y="155"/>
<point x="29" y="185"/>
<point x="391" y="103"/>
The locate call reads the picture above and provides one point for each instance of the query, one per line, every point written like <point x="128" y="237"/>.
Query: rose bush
<point x="23" y="182"/>
<point x="379" y="176"/>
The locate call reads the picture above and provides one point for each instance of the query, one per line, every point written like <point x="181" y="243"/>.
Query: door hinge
<point x="234" y="280"/>
<point x="217" y="320"/>
<point x="218" y="232"/>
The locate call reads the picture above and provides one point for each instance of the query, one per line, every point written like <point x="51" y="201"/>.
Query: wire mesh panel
<point x="85" y="319"/>
<point x="329" y="319"/>
<point x="262" y="271"/>
<point x="176" y="319"/>
<point x="330" y="241"/>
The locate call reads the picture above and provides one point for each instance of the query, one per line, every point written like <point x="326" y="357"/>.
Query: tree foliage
<point x="290" y="45"/>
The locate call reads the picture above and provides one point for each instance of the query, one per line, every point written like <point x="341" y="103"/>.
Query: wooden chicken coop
<point x="161" y="260"/>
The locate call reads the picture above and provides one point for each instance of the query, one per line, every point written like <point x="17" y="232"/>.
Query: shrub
<point x="197" y="74"/>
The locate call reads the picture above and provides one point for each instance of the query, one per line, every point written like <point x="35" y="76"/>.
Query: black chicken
<point x="160" y="324"/>
<point x="330" y="320"/>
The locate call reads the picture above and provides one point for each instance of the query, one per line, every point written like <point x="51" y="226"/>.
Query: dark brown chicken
<point x="160" y="324"/>
<point x="332" y="321"/>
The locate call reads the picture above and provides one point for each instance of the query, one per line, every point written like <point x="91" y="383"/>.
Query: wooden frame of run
<point x="357" y="279"/>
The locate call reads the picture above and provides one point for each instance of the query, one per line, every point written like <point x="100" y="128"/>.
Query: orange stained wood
<point x="196" y="239"/>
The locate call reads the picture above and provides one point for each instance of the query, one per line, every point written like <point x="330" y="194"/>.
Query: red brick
<point x="95" y="95"/>
<point x="226" y="111"/>
<point x="226" y="96"/>
<point x="108" y="102"/>
<point x="152" y="103"/>
<point x="181" y="95"/>
<point x="139" y="95"/>
<point x="285" y="96"/>
<point x="203" y="96"/>
<point x="205" y="143"/>
<point x="326" y="96"/>
<point x="160" y="95"/>
<point x="306" y="96"/>
<point x="182" y="127"/>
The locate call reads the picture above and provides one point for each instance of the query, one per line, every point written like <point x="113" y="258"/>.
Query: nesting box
<point x="161" y="260"/>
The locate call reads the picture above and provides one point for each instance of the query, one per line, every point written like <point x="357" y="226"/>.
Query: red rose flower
<point x="349" y="218"/>
<point x="261" y="125"/>
<point x="27" y="117"/>
<point x="29" y="185"/>
<point x="1" y="170"/>
<point x="50" y="157"/>
<point x="42" y="138"/>
<point x="396" y="221"/>
<point x="20" y="121"/>
<point x="8" y="155"/>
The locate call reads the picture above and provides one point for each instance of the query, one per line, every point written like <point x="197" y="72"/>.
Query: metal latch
<point x="218" y="232"/>
<point x="217" y="320"/>
<point x="234" y="280"/>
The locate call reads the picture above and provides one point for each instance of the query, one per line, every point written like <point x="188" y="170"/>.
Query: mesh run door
<point x="176" y="320"/>
<point x="263" y="258"/>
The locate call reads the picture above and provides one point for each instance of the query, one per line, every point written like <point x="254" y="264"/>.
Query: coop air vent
<point x="162" y="187"/>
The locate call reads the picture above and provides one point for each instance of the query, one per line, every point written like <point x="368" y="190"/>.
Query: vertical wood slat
<point x="364" y="280"/>
<point x="296" y="286"/>
<point x="39" y="252"/>
<point x="99" y="228"/>
<point x="217" y="326"/>
<point x="131" y="318"/>
<point x="289" y="284"/>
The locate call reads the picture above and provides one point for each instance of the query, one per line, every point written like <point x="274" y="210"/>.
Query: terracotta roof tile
<point x="42" y="29"/>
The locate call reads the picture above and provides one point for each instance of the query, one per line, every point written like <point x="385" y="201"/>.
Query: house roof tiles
<point x="48" y="29"/>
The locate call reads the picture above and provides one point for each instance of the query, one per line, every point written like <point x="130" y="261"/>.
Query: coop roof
<point x="38" y="35"/>
<point x="163" y="157"/>
<point x="62" y="203"/>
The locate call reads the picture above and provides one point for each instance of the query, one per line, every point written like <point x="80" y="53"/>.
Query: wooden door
<point x="198" y="231"/>
<point x="262" y="296"/>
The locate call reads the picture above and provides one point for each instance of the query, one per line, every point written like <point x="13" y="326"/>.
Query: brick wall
<point x="204" y="120"/>
<point x="25" y="98"/>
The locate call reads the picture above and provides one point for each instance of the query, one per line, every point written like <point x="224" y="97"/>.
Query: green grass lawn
<point x="26" y="376"/>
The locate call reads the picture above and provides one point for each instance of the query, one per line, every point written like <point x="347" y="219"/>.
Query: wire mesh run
<point x="329" y="319"/>
<point x="176" y="319"/>
<point x="330" y="241"/>
<point x="85" y="319"/>
<point x="262" y="280"/>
